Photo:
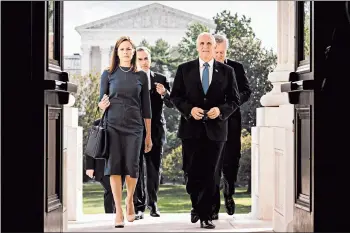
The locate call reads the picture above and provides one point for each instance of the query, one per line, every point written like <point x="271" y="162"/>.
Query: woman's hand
<point x="104" y="103"/>
<point x="148" y="143"/>
<point x="90" y="173"/>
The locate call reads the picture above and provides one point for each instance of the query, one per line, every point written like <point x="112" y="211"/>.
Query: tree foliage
<point x="162" y="58"/>
<point x="172" y="165"/>
<point x="245" y="161"/>
<point x="187" y="48"/>
<point x="233" y="26"/>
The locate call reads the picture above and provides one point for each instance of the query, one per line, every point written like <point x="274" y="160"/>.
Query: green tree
<point x="187" y="48"/>
<point x="162" y="58"/>
<point x="233" y="26"/>
<point x="144" y="43"/>
<point x="244" y="173"/>
<point x="172" y="142"/>
<point x="172" y="166"/>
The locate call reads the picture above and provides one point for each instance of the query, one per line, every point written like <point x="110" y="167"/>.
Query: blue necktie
<point x="205" y="77"/>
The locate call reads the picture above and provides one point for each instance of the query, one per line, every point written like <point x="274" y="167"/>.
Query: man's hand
<point x="213" y="113"/>
<point x="160" y="89"/>
<point x="197" y="113"/>
<point x="148" y="143"/>
<point x="90" y="173"/>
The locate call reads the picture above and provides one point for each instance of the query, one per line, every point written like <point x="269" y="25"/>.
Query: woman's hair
<point x="115" y="61"/>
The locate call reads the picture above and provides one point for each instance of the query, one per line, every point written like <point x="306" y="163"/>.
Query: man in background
<point x="147" y="189"/>
<point x="232" y="148"/>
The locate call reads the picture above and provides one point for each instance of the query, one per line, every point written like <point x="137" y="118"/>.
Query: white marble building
<point x="150" y="22"/>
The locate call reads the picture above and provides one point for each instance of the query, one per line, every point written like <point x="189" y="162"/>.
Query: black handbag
<point x="97" y="144"/>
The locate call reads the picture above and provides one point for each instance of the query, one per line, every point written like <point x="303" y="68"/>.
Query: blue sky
<point x="262" y="13"/>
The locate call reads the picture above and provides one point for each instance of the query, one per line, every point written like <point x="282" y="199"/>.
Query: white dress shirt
<point x="201" y="68"/>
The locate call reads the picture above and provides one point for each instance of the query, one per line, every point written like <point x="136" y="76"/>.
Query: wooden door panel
<point x="54" y="160"/>
<point x="303" y="156"/>
<point x="303" y="169"/>
<point x="302" y="220"/>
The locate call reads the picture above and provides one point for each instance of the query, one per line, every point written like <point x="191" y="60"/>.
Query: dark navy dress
<point x="129" y="104"/>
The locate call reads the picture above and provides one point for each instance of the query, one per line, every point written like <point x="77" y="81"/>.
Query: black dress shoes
<point x="154" y="211"/>
<point x="194" y="216"/>
<point x="139" y="215"/>
<point x="207" y="224"/>
<point x="215" y="216"/>
<point x="230" y="205"/>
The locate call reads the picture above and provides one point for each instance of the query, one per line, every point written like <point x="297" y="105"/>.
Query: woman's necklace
<point x="124" y="70"/>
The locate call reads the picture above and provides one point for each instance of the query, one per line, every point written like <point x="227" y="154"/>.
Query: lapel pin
<point x="216" y="70"/>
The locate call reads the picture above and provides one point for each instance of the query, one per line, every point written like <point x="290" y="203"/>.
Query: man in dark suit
<point x="205" y="93"/>
<point x="232" y="148"/>
<point x="95" y="169"/>
<point x="159" y="93"/>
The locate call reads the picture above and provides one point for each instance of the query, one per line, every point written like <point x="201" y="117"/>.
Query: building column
<point x="104" y="57"/>
<point x="285" y="55"/>
<point x="85" y="59"/>
<point x="272" y="138"/>
<point x="73" y="164"/>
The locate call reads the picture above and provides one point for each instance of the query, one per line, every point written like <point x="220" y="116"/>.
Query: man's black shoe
<point x="230" y="205"/>
<point x="215" y="216"/>
<point x="139" y="215"/>
<point x="194" y="216"/>
<point x="154" y="211"/>
<point x="207" y="224"/>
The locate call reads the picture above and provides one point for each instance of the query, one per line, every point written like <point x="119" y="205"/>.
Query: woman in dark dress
<point x="125" y="96"/>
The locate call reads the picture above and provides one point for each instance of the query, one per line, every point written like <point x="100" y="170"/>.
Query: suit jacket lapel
<point x="152" y="77"/>
<point x="153" y="80"/>
<point x="197" y="76"/>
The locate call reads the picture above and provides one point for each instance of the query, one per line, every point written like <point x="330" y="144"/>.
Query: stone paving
<point x="169" y="223"/>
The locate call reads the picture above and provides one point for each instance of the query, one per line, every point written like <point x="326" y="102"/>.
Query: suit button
<point x="205" y="99"/>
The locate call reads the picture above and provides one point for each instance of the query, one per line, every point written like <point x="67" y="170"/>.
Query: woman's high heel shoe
<point x="119" y="224"/>
<point x="129" y="217"/>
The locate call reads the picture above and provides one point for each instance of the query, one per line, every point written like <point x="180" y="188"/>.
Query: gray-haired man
<point x="232" y="148"/>
<point x="159" y="94"/>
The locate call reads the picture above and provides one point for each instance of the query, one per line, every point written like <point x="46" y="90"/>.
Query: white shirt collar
<point x="211" y="62"/>
<point x="148" y="72"/>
